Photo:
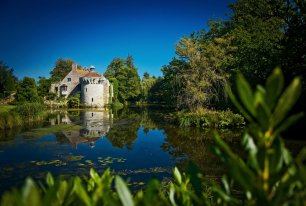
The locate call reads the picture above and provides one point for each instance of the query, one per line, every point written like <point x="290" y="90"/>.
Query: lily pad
<point x="73" y="158"/>
<point x="89" y="162"/>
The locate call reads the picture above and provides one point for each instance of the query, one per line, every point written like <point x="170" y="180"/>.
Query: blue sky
<point x="35" y="33"/>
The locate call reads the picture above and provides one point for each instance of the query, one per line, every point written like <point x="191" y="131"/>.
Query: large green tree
<point x="199" y="75"/>
<point x="61" y="68"/>
<point x="43" y="88"/>
<point x="124" y="73"/>
<point x="257" y="28"/>
<point x="8" y="80"/>
<point x="27" y="91"/>
<point x="147" y="83"/>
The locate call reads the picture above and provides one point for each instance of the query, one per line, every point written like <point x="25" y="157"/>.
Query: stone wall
<point x="71" y="86"/>
<point x="92" y="91"/>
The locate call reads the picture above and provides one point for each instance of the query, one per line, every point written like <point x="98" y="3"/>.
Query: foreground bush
<point x="266" y="175"/>
<point x="211" y="119"/>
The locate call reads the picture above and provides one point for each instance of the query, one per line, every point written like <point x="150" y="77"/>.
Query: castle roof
<point x="86" y="73"/>
<point x="82" y="72"/>
<point x="93" y="74"/>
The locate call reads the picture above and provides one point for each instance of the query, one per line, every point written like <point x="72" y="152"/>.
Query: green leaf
<point x="30" y="194"/>
<point x="249" y="145"/>
<point x="288" y="122"/>
<point x="274" y="87"/>
<point x="171" y="195"/>
<point x="237" y="168"/>
<point x="94" y="175"/>
<point x="81" y="192"/>
<point x="177" y="175"/>
<point x="195" y="178"/>
<point x="123" y="192"/>
<point x="237" y="104"/>
<point x="50" y="180"/>
<point x="277" y="160"/>
<point x="245" y="93"/>
<point x="286" y="101"/>
<point x="262" y="116"/>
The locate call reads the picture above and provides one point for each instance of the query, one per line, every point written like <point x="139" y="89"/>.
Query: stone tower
<point x="94" y="89"/>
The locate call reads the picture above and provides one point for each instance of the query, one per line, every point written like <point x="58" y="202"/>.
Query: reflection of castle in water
<point x="95" y="125"/>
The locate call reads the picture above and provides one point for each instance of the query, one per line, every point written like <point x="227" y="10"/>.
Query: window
<point x="64" y="88"/>
<point x="86" y="89"/>
<point x="69" y="79"/>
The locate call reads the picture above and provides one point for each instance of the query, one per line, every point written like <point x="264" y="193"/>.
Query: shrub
<point x="9" y="120"/>
<point x="29" y="110"/>
<point x="73" y="102"/>
<point x="116" y="105"/>
<point x="212" y="119"/>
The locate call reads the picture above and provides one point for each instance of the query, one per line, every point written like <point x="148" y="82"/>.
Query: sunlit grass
<point x="6" y="108"/>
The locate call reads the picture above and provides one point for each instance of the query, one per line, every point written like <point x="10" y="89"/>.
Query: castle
<point x="94" y="88"/>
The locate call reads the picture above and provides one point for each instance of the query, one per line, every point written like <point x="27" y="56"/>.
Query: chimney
<point x="74" y="66"/>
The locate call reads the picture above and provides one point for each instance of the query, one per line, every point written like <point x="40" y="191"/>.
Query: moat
<point x="136" y="144"/>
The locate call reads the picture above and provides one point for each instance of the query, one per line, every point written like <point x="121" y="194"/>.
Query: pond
<point x="136" y="144"/>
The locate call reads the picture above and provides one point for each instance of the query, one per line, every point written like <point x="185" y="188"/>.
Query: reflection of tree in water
<point x="8" y="135"/>
<point x="194" y="143"/>
<point x="124" y="129"/>
<point x="188" y="143"/>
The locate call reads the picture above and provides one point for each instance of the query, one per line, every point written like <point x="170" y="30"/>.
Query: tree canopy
<point x="8" y="80"/>
<point x="123" y="74"/>
<point x="61" y="69"/>
<point x="27" y="91"/>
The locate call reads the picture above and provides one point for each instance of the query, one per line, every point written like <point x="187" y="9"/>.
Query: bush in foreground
<point x="266" y="175"/>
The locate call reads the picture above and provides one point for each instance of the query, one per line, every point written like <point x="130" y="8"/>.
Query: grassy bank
<point x="210" y="119"/>
<point x="6" y="108"/>
<point x="23" y="114"/>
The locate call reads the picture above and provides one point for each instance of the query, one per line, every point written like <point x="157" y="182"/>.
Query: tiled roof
<point x="86" y="73"/>
<point x="93" y="74"/>
<point x="82" y="72"/>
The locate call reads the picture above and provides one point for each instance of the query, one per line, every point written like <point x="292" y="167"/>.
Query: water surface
<point x="137" y="145"/>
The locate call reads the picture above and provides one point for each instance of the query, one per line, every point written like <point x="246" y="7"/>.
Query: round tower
<point x="94" y="90"/>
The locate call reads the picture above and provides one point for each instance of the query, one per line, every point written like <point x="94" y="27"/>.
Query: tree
<point x="124" y="72"/>
<point x="293" y="56"/>
<point x="61" y="69"/>
<point x="43" y="88"/>
<point x="202" y="74"/>
<point x="257" y="28"/>
<point x="7" y="80"/>
<point x="147" y="83"/>
<point x="27" y="91"/>
<point x="146" y="75"/>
